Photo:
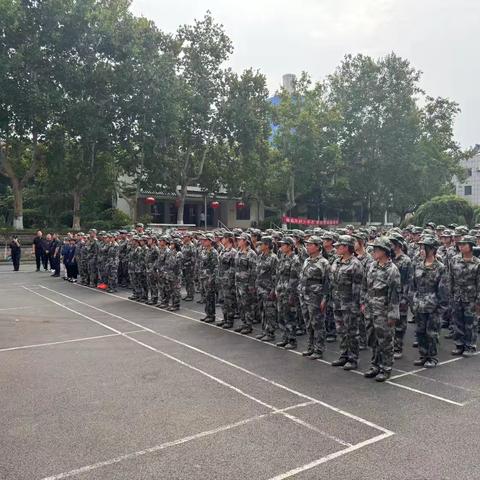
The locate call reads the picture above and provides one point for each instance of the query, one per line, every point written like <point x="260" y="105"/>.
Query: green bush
<point x="444" y="210"/>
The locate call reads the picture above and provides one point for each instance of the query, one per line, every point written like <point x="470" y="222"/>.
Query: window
<point x="468" y="190"/>
<point x="243" y="213"/>
<point x="469" y="172"/>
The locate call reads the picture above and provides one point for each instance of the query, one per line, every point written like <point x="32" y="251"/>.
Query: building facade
<point x="470" y="187"/>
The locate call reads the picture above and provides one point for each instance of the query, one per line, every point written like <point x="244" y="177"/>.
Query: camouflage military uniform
<point x="173" y="277"/>
<point x="245" y="271"/>
<point x="101" y="260"/>
<point x="82" y="261"/>
<point x="345" y="283"/>
<point x="465" y="292"/>
<point x="265" y="286"/>
<point x="92" y="252"/>
<point x="404" y="265"/>
<point x="365" y="260"/>
<point x="330" y="326"/>
<point x="111" y="264"/>
<point x="208" y="272"/>
<point x="226" y="280"/>
<point x="163" y="252"/>
<point x="381" y="297"/>
<point x="189" y="253"/>
<point x="132" y="262"/>
<point x="313" y="289"/>
<point x="151" y="257"/>
<point x="123" y="279"/>
<point x="429" y="292"/>
<point x="286" y="292"/>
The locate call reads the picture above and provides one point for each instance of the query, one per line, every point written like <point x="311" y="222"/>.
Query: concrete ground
<point x="95" y="386"/>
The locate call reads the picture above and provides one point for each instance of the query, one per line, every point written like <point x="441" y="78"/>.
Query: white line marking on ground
<point x="332" y="456"/>
<point x="14" y="308"/>
<point x="25" y="347"/>
<point x="163" y="446"/>
<point x="420" y="392"/>
<point x="181" y="362"/>
<point x="238" y="367"/>
<point x="418" y="370"/>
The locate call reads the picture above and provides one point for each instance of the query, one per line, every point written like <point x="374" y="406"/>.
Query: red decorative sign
<point x="308" y="221"/>
<point x="150" y="201"/>
<point x="215" y="204"/>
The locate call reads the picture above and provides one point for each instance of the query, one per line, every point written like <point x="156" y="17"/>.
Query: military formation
<point x="359" y="287"/>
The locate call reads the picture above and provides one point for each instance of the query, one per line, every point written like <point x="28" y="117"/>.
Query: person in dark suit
<point x="16" y="253"/>
<point x="38" y="250"/>
<point x="55" y="250"/>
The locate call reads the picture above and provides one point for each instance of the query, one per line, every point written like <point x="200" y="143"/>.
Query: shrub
<point x="444" y="210"/>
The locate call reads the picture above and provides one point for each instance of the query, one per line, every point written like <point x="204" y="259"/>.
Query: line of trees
<point x="95" y="101"/>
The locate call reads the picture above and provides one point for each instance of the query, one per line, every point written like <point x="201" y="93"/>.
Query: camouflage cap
<point x="92" y="230"/>
<point x="460" y="231"/>
<point x="430" y="225"/>
<point x="329" y="235"/>
<point x="446" y="234"/>
<point x="287" y="241"/>
<point x="346" y="240"/>
<point x="298" y="233"/>
<point x="228" y="235"/>
<point x="139" y="225"/>
<point x="468" y="239"/>
<point x="417" y="230"/>
<point x="361" y="236"/>
<point x="136" y="237"/>
<point x="382" y="242"/>
<point x="209" y="236"/>
<point x="267" y="240"/>
<point x="80" y="234"/>
<point x="440" y="227"/>
<point x="317" y="240"/>
<point x="177" y="241"/>
<point x="246" y="236"/>
<point x="429" y="241"/>
<point x="350" y="227"/>
<point x="453" y="226"/>
<point x="473" y="232"/>
<point x="102" y="233"/>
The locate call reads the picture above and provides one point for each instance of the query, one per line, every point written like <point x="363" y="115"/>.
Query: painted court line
<point x="15" y="308"/>
<point x="163" y="446"/>
<point x="238" y="367"/>
<point x="181" y="362"/>
<point x="418" y="370"/>
<point x="413" y="390"/>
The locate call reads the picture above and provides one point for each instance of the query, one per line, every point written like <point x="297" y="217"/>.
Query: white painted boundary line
<point x="14" y="308"/>
<point x="233" y="365"/>
<point x="420" y="392"/>
<point x="332" y="456"/>
<point x="185" y="364"/>
<point x="25" y="347"/>
<point x="418" y="370"/>
<point x="163" y="446"/>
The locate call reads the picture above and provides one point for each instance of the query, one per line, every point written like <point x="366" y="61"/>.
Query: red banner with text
<point x="307" y="221"/>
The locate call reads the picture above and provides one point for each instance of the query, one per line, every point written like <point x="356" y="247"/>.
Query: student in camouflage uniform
<point x="208" y="272"/>
<point x="132" y="262"/>
<point x="111" y="263"/>
<point x="266" y="267"/>
<point x="123" y="260"/>
<point x="313" y="287"/>
<point x="151" y="257"/>
<point x="404" y="265"/>
<point x="189" y="253"/>
<point x="380" y="304"/>
<point x="101" y="257"/>
<point x="465" y="292"/>
<point x="92" y="252"/>
<point x="302" y="254"/>
<point x="365" y="259"/>
<point x="163" y="253"/>
<point x="329" y="253"/>
<point x="429" y="298"/>
<point x="226" y="280"/>
<point x="82" y="262"/>
<point x="346" y="276"/>
<point x="286" y="291"/>
<point x="140" y="271"/>
<point x="173" y="274"/>
<point x="245" y="271"/>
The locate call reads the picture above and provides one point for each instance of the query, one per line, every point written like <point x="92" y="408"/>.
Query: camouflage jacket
<point x="381" y="291"/>
<point x="429" y="290"/>
<point x="189" y="253"/>
<point x="404" y="265"/>
<point x="161" y="260"/>
<point x="287" y="275"/>
<point x="314" y="281"/>
<point x="266" y="275"/>
<point x="140" y="260"/>
<point x="208" y="264"/>
<point x="173" y="265"/>
<point x="132" y="257"/>
<point x="81" y="252"/>
<point x="365" y="260"/>
<point x="346" y="284"/>
<point x="465" y="280"/>
<point x="112" y="255"/>
<point x="413" y="250"/>
<point x="226" y="267"/>
<point x="302" y="253"/>
<point x="331" y="256"/>
<point x="245" y="268"/>
<point x="92" y="250"/>
<point x="151" y="257"/>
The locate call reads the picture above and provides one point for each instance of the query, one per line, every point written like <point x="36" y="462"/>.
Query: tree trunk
<point x="76" y="209"/>
<point x="17" y="204"/>
<point x="181" y="205"/>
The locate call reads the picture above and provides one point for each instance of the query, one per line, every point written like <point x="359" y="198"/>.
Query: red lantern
<point x="149" y="201"/>
<point x="240" y="205"/>
<point x="215" y="204"/>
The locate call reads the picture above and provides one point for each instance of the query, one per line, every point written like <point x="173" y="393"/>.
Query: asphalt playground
<point x="95" y="386"/>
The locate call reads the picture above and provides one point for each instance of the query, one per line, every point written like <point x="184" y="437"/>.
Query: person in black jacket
<point x="55" y="250"/>
<point x="16" y="253"/>
<point x="38" y="250"/>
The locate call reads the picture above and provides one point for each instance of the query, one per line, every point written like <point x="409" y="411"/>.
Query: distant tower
<point x="287" y="81"/>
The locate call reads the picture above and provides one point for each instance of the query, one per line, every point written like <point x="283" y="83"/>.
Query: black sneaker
<point x="291" y="345"/>
<point x="371" y="373"/>
<point x="283" y="343"/>
<point x="268" y="338"/>
<point x="341" y="362"/>
<point x="382" y="376"/>
<point x="457" y="351"/>
<point x="307" y="353"/>
<point x="420" y="362"/>
<point x="316" y="356"/>
<point x="350" y="366"/>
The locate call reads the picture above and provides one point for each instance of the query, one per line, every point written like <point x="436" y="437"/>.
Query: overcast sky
<point x="439" y="37"/>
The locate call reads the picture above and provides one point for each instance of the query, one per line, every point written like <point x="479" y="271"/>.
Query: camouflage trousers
<point x="141" y="284"/>
<point x="300" y="314"/>
<point x="228" y="306"/>
<point x="427" y="333"/>
<point x="346" y="323"/>
<point x="330" y="322"/>
<point x="112" y="275"/>
<point x="92" y="273"/>
<point x="188" y="275"/>
<point x="173" y="287"/>
<point x="401" y="327"/>
<point x="133" y="282"/>
<point x="102" y="272"/>
<point x="465" y="326"/>
<point x="314" y="325"/>
<point x="362" y="329"/>
<point x="83" y="270"/>
<point x="123" y="276"/>
<point x="268" y="311"/>
<point x="152" y="284"/>
<point x="287" y="316"/>
<point x="246" y="304"/>
<point x="380" y="340"/>
<point x="208" y="286"/>
<point x="162" y="289"/>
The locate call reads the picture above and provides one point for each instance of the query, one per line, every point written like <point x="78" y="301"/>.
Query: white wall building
<point x="470" y="188"/>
